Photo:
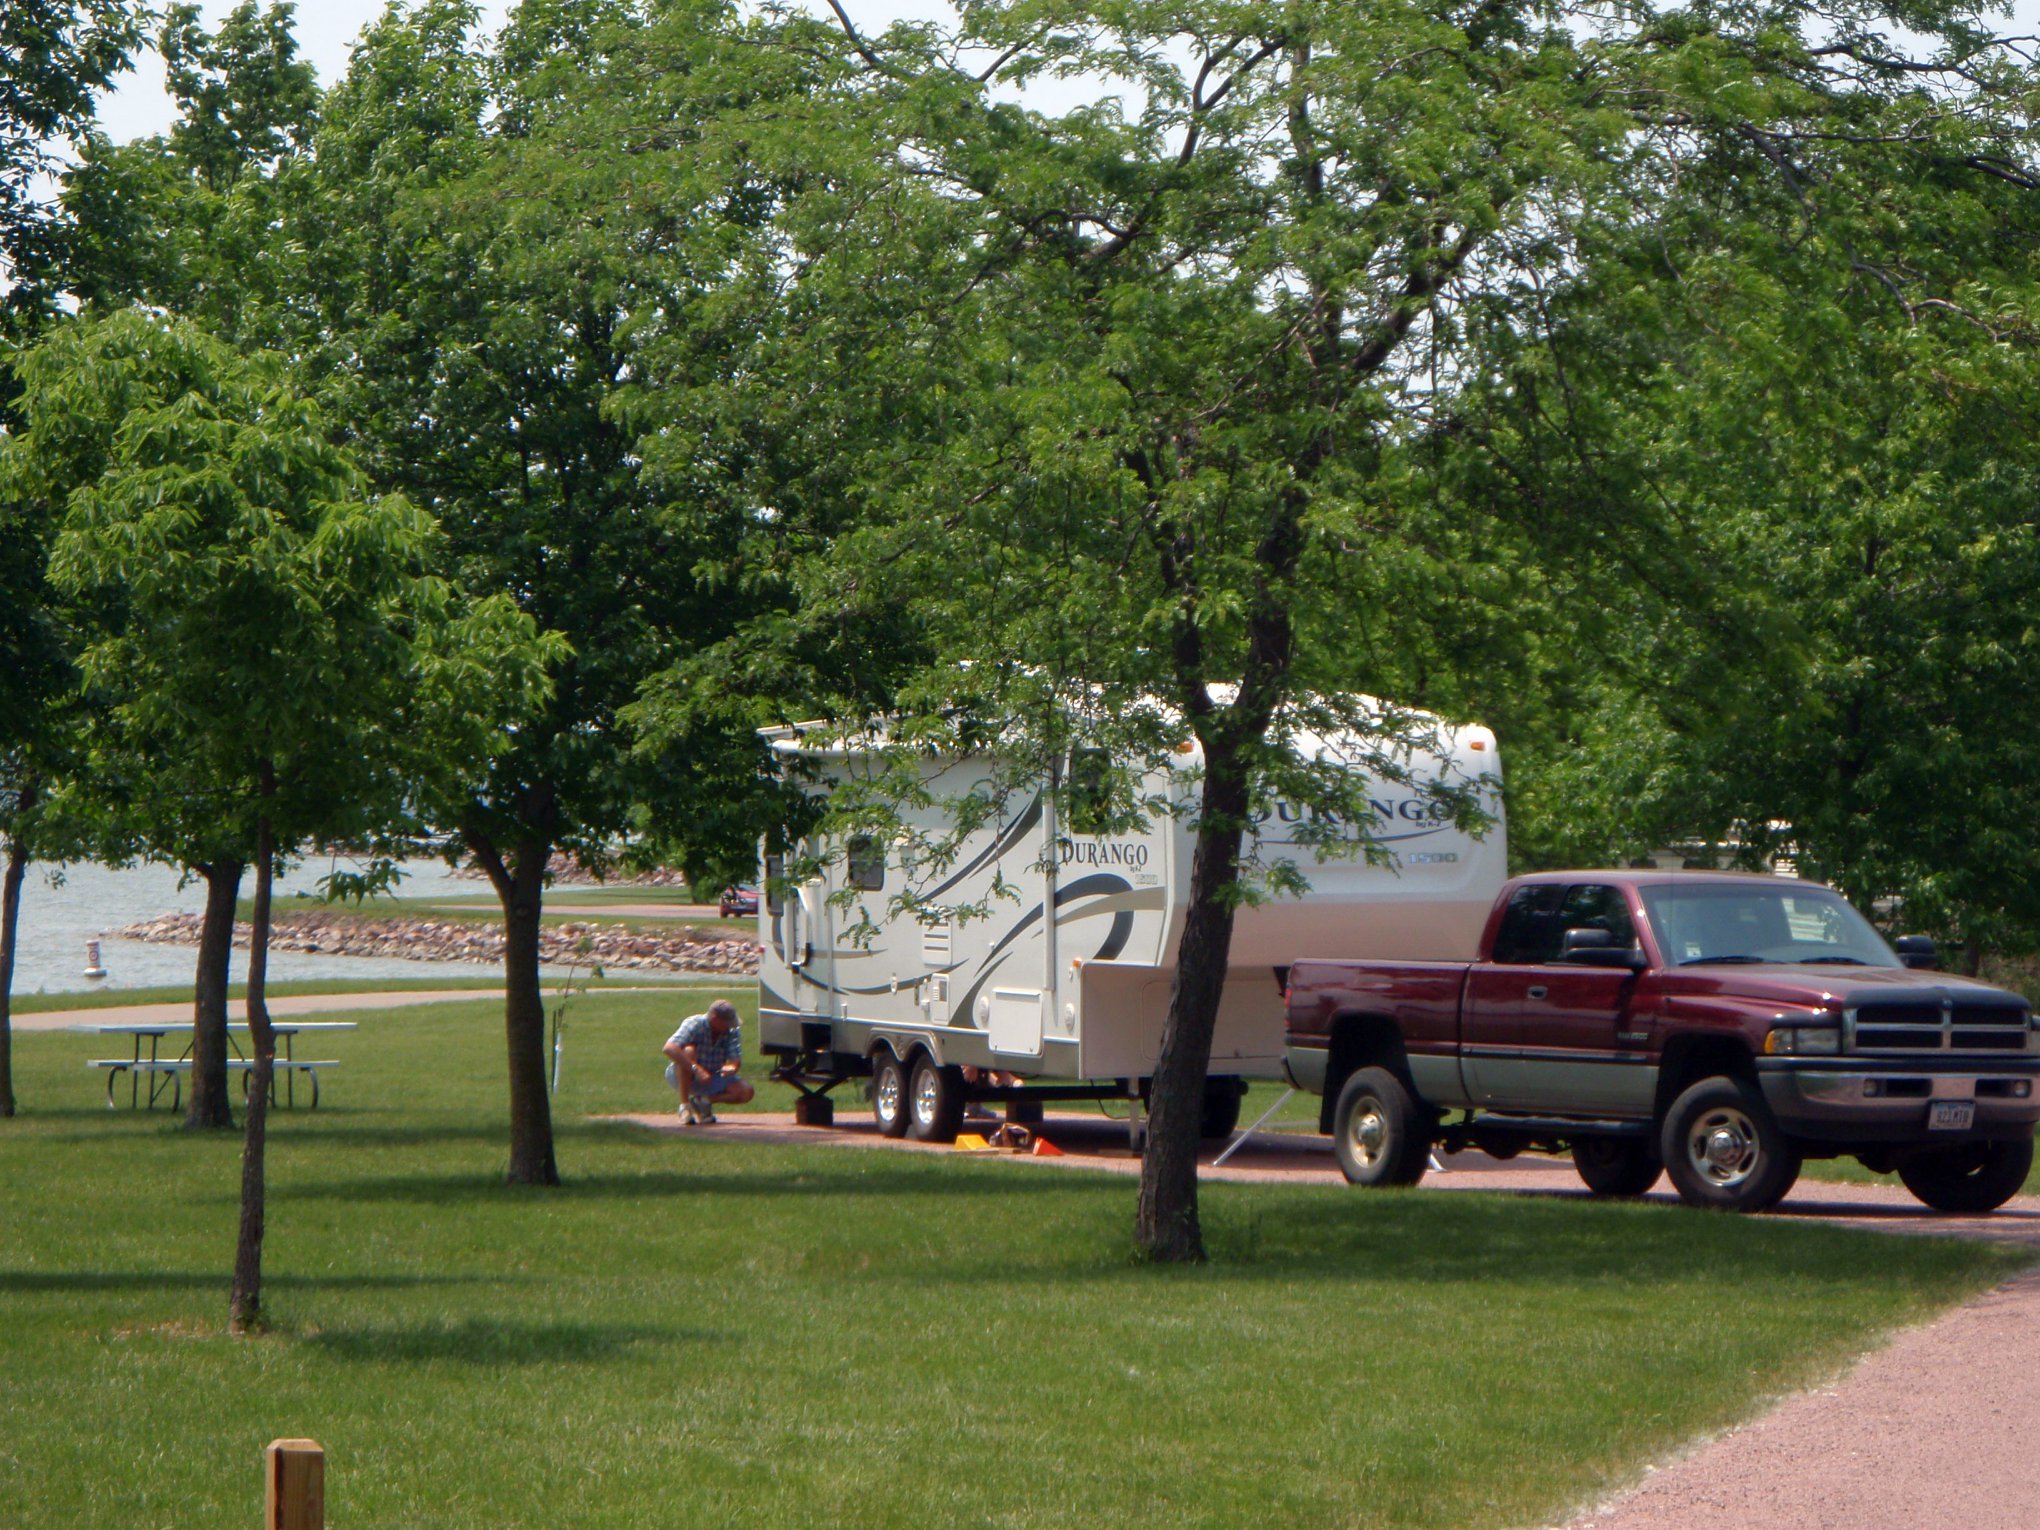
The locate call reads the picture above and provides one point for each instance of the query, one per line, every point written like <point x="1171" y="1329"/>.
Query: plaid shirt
<point x="710" y="1050"/>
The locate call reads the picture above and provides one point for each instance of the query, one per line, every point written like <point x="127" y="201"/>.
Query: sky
<point x="327" y="29"/>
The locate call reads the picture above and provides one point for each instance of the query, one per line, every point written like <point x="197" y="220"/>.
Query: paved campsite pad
<point x="1934" y="1428"/>
<point x="1092" y="1142"/>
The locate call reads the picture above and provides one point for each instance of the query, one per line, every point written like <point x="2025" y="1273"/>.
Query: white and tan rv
<point x="1063" y="978"/>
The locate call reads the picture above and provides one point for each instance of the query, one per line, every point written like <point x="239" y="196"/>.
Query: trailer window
<point x="866" y="862"/>
<point x="775" y="880"/>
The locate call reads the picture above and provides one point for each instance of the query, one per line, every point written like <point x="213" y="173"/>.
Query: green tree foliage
<point x="1809" y="376"/>
<point x="199" y="222"/>
<point x="491" y="257"/>
<point x="272" y="661"/>
<point x="54" y="54"/>
<point x="1125" y="411"/>
<point x="195" y="224"/>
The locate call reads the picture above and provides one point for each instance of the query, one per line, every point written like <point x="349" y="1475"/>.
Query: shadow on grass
<point x="794" y="1184"/>
<point x="1514" y="1239"/>
<point x="333" y="1129"/>
<point x="72" y="1282"/>
<point x="482" y="1342"/>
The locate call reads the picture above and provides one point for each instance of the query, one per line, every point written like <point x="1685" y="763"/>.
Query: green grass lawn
<point x="696" y="1332"/>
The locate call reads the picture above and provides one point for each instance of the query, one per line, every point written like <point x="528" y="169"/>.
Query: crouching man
<point x="703" y="1058"/>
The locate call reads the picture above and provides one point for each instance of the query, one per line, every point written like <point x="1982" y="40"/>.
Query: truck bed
<point x="1422" y="997"/>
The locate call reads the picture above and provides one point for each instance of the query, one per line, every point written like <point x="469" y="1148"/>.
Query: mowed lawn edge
<point x="690" y="1331"/>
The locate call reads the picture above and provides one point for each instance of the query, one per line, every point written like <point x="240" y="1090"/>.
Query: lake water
<point x="87" y="902"/>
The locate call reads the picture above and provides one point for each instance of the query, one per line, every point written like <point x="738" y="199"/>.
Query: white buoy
<point x="92" y="967"/>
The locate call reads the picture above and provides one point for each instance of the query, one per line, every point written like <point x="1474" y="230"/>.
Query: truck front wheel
<point x="1616" y="1166"/>
<point x="1378" y="1132"/>
<point x="1977" y="1176"/>
<point x="1724" y="1148"/>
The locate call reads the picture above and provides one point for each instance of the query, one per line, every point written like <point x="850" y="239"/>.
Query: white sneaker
<point x="699" y="1111"/>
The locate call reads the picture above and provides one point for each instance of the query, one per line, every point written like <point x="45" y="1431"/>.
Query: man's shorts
<point x="713" y="1088"/>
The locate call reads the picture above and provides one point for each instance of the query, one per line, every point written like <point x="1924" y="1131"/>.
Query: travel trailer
<point x="927" y="1005"/>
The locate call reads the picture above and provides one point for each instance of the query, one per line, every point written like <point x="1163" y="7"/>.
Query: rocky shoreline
<point x="610" y="946"/>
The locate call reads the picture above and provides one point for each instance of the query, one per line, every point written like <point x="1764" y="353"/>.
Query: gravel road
<point x="1936" y="1428"/>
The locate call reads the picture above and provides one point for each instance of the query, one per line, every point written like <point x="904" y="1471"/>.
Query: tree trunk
<point x="1165" y="1228"/>
<point x="244" y="1307"/>
<point x="520" y="886"/>
<point x="10" y="921"/>
<point x="210" y="1104"/>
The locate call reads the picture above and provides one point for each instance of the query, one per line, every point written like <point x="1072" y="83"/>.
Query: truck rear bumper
<point x="1888" y="1101"/>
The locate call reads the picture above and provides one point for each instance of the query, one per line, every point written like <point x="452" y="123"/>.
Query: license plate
<point x="1951" y="1115"/>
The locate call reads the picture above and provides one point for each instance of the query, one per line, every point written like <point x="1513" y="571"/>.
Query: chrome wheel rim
<point x="925" y="1087"/>
<point x="1721" y="1146"/>
<point x="887" y="1097"/>
<point x="1367" y="1132"/>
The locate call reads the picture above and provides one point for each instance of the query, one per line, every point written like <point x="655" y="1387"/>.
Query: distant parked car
<point x="736" y="902"/>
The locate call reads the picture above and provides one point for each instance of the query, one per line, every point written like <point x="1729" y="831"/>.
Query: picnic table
<point x="166" y="1074"/>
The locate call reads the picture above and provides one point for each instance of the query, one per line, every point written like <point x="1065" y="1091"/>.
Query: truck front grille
<point x="1947" y="1025"/>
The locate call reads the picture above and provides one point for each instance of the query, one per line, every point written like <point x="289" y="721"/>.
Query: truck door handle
<point x="1537" y="990"/>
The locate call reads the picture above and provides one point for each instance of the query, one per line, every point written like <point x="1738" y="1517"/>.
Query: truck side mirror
<point x="1917" y="951"/>
<point x="1597" y="948"/>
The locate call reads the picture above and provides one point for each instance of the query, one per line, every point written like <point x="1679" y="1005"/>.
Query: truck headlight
<point x="1804" y="1041"/>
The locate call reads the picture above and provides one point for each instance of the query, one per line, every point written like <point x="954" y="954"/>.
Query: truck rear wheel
<point x="1378" y="1134"/>
<point x="1616" y="1166"/>
<point x="934" y="1102"/>
<point x="1725" y="1150"/>
<point x="1977" y="1176"/>
<point x="889" y="1094"/>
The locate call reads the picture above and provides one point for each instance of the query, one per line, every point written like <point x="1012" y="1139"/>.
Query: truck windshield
<point x="1791" y="922"/>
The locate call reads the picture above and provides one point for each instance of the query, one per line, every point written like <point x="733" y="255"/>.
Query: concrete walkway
<point x="294" y="1004"/>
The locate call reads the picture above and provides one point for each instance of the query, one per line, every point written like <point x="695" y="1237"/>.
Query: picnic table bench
<point x="165" y="1075"/>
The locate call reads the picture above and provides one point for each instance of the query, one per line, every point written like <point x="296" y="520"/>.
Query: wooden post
<point x="296" y="1473"/>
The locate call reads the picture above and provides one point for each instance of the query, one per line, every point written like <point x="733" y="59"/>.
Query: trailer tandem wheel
<point x="935" y="1101"/>
<point x="889" y="1093"/>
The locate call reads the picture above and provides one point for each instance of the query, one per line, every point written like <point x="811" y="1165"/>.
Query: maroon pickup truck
<point x="1720" y="1027"/>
